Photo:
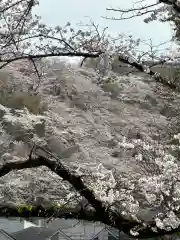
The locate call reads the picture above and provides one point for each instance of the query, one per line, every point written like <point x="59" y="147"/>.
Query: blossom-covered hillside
<point x="116" y="134"/>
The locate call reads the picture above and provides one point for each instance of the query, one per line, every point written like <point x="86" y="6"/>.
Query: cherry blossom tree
<point x="163" y="11"/>
<point x="91" y="193"/>
<point x="100" y="194"/>
<point x="25" y="36"/>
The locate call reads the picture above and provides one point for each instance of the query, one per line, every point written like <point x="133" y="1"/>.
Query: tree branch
<point x="100" y="213"/>
<point x="142" y="10"/>
<point x="142" y="68"/>
<point x="136" y="12"/>
<point x="133" y="9"/>
<point x="61" y="171"/>
<point x="58" y="54"/>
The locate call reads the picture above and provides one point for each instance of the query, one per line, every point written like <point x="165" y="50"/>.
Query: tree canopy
<point x="98" y="194"/>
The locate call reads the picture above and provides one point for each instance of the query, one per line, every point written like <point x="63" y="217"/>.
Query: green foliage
<point x="19" y="100"/>
<point x="21" y="208"/>
<point x="30" y="211"/>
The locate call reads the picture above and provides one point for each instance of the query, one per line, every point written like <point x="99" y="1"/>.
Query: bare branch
<point x="133" y="9"/>
<point x="142" y="10"/>
<point x="136" y="11"/>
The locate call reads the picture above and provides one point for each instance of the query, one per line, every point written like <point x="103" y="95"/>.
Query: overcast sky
<point x="58" y="12"/>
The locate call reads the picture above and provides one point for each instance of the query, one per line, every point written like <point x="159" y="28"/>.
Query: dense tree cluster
<point x="103" y="195"/>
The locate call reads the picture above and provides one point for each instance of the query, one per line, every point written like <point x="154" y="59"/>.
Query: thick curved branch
<point x="58" y="54"/>
<point x="147" y="70"/>
<point x="61" y="171"/>
<point x="100" y="213"/>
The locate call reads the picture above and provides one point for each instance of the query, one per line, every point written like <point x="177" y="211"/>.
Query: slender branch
<point x="46" y="37"/>
<point x="37" y="73"/>
<point x="82" y="61"/>
<point x="133" y="9"/>
<point x="132" y="16"/>
<point x="136" y="12"/>
<point x="143" y="10"/>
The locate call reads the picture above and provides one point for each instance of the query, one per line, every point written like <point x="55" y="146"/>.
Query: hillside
<point x="82" y="123"/>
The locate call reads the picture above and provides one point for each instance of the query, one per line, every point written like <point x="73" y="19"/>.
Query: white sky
<point x="58" y="12"/>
